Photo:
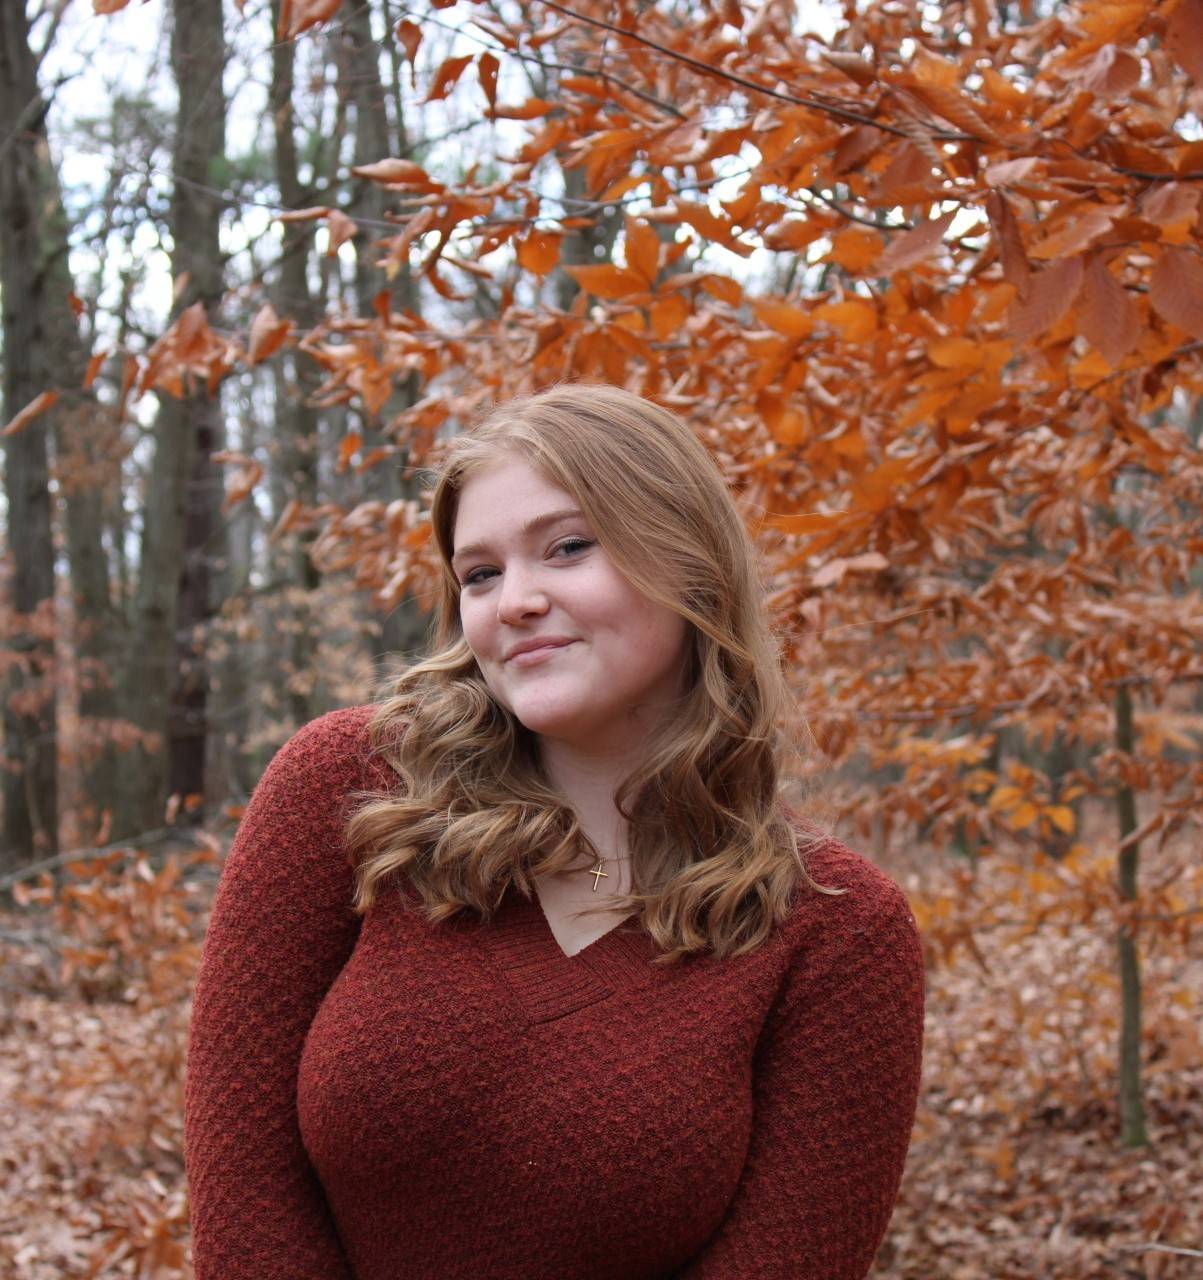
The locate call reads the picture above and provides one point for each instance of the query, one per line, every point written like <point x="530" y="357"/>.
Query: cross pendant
<point x="596" y="873"/>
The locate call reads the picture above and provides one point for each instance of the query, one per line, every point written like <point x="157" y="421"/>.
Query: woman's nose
<point x="520" y="595"/>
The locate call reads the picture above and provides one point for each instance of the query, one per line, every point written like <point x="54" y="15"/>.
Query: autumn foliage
<point x="931" y="289"/>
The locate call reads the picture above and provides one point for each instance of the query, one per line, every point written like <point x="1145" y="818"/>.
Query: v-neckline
<point x="591" y="943"/>
<point x="548" y="982"/>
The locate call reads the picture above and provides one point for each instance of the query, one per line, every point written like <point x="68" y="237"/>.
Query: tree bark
<point x="29" y="778"/>
<point x="297" y="423"/>
<point x="1133" y="1131"/>
<point x="183" y="529"/>
<point x="403" y="629"/>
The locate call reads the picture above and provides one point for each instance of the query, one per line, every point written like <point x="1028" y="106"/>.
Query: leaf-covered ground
<point x="1015" y="1170"/>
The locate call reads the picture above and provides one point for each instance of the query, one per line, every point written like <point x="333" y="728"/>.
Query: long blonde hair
<point x="716" y="854"/>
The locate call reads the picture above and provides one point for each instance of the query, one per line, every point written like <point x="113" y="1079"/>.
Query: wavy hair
<point x="716" y="853"/>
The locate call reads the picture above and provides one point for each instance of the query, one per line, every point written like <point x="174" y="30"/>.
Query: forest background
<point x="926" y="278"/>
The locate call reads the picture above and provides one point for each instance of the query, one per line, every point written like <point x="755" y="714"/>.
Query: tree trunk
<point x="183" y="527"/>
<point x="30" y="697"/>
<point x="403" y="629"/>
<point x="297" y="423"/>
<point x="1131" y="1094"/>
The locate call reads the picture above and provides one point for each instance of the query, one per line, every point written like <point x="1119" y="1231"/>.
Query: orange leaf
<point x="1050" y="293"/>
<point x="410" y="35"/>
<point x="668" y="315"/>
<point x="304" y="14"/>
<point x="608" y="281"/>
<point x="539" y="251"/>
<point x="94" y="367"/>
<point x="642" y="250"/>
<point x="38" y="405"/>
<point x="1176" y="290"/>
<point x="1108" y="319"/>
<point x="955" y="353"/>
<point x="108" y="6"/>
<point x="268" y="332"/>
<point x="855" y="318"/>
<point x="486" y="69"/>
<point x="856" y="248"/>
<point x="446" y="76"/>
<point x="347" y="450"/>
<point x="913" y="246"/>
<point x="1184" y="38"/>
<point x="791" y="321"/>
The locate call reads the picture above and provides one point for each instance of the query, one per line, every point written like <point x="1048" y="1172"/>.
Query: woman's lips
<point x="530" y="657"/>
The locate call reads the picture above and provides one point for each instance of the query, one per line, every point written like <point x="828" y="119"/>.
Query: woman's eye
<point x="571" y="546"/>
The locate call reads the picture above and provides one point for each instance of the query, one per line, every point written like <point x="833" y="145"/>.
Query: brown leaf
<point x="341" y="229"/>
<point x="908" y="167"/>
<point x="392" y="170"/>
<point x="1016" y="268"/>
<point x="38" y="405"/>
<point x="94" y="367"/>
<point x="303" y="14"/>
<point x="1050" y="293"/>
<point x="108" y="6"/>
<point x="913" y="246"/>
<point x="410" y="35"/>
<point x="1007" y="171"/>
<point x="852" y="65"/>
<point x="1111" y="73"/>
<point x="855" y="146"/>
<point x="486" y="68"/>
<point x="1081" y="228"/>
<point x="1169" y="203"/>
<point x="950" y="105"/>
<point x="1176" y="290"/>
<point x="446" y="76"/>
<point x="268" y="332"/>
<point x="1184" y="38"/>
<point x="1107" y="318"/>
<point x="303" y="215"/>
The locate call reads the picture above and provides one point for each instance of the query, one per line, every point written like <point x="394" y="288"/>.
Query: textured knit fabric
<point x="386" y="1099"/>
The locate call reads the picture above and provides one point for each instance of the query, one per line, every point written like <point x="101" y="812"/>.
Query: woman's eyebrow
<point x="531" y="526"/>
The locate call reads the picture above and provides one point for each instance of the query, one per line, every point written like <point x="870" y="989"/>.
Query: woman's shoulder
<point x="332" y="752"/>
<point x="871" y="908"/>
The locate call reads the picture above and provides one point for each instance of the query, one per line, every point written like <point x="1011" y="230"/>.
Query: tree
<point x="958" y="422"/>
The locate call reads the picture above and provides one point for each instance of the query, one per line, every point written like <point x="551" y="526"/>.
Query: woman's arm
<point x="836" y="1083"/>
<point x="280" y="931"/>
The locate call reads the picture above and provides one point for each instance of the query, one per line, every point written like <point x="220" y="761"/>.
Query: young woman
<point x="527" y="972"/>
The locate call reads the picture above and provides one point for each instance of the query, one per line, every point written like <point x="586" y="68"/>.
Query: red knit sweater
<point x="388" y="1099"/>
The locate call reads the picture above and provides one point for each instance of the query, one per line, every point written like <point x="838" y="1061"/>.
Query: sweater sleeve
<point x="280" y="931"/>
<point x="835" y="1086"/>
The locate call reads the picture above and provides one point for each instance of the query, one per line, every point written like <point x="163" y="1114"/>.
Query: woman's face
<point x="531" y="570"/>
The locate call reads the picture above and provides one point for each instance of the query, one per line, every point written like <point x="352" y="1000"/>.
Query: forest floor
<point x="1015" y="1170"/>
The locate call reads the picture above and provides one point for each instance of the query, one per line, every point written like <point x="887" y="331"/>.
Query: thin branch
<point x="126" y="848"/>
<point x="814" y="104"/>
<point x="844" y="211"/>
<point x="1159" y="1248"/>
